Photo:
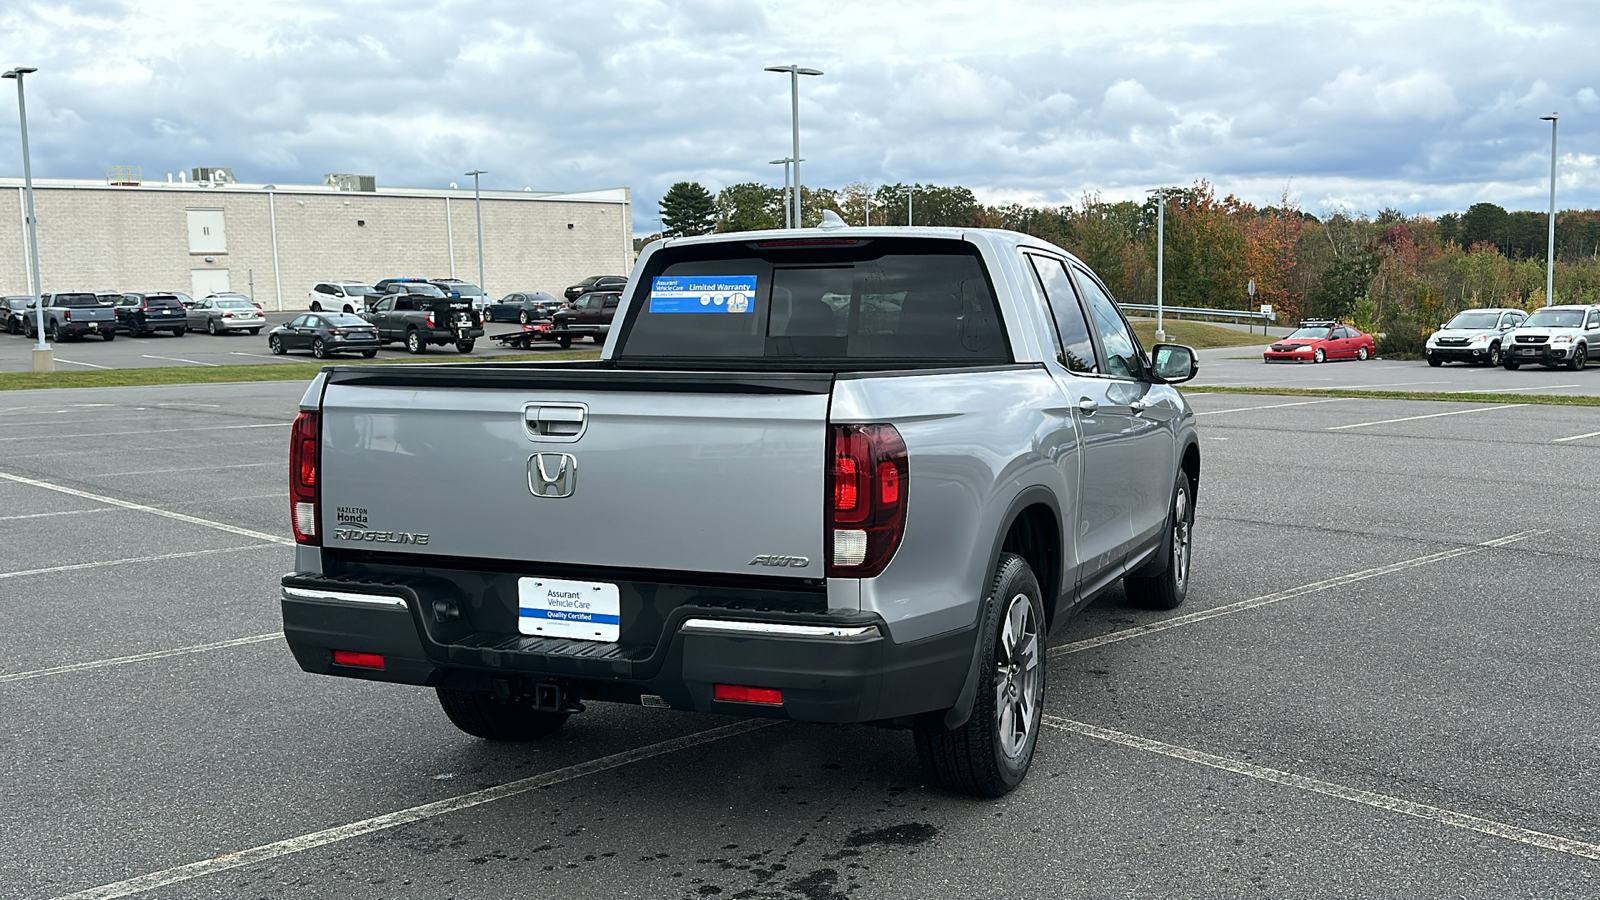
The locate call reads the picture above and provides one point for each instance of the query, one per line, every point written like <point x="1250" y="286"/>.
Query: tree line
<point x="1391" y="273"/>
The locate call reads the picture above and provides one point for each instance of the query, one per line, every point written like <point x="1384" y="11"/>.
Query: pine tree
<point x="688" y="209"/>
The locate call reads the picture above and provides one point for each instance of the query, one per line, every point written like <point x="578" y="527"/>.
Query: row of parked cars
<point x="1553" y="336"/>
<point x="72" y="315"/>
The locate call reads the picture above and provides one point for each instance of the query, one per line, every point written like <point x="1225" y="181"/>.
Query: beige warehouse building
<point x="204" y="236"/>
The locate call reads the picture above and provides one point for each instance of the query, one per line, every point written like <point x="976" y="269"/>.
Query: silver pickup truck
<point x="75" y="315"/>
<point x="829" y="475"/>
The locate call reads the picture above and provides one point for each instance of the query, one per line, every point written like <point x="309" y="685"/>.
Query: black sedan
<point x="597" y="283"/>
<point x="15" y="310"/>
<point x="524" y="307"/>
<point x="325" y="334"/>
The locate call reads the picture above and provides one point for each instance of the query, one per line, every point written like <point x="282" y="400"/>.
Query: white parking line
<point x="167" y="513"/>
<point x="1459" y="412"/>
<point x="264" y="356"/>
<point x="1291" y="593"/>
<point x="337" y="834"/>
<point x="188" y="469"/>
<point x="139" y="657"/>
<point x="193" y="362"/>
<point x="65" y="512"/>
<point x="58" y="437"/>
<point x="128" y="561"/>
<point x="1576" y="437"/>
<point x="1337" y="791"/>
<point x="1215" y="412"/>
<point x="71" y="362"/>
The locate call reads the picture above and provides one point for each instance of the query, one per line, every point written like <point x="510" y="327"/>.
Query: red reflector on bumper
<point x="352" y="658"/>
<point x="734" y="693"/>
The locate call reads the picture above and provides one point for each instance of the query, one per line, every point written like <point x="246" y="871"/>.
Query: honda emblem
<point x="552" y="475"/>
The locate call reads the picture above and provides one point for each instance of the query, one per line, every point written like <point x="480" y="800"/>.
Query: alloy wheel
<point x="1182" y="535"/>
<point x="1017" y="676"/>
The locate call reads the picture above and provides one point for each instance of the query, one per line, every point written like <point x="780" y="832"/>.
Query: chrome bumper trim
<point x="384" y="601"/>
<point x="735" y="628"/>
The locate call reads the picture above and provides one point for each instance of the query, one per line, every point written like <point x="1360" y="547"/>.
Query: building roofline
<point x="614" y="195"/>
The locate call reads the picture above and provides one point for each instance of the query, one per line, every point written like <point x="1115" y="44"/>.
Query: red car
<point x="1319" y="340"/>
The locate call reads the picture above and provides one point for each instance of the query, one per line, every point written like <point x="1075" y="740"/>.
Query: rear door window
<point x="1122" y="353"/>
<point x="881" y="298"/>
<point x="1076" y="348"/>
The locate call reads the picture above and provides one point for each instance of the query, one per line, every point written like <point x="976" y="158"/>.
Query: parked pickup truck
<point x="75" y="315"/>
<point x="827" y="475"/>
<point x="420" y="320"/>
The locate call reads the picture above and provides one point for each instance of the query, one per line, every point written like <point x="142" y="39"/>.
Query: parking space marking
<point x="193" y="362"/>
<point x="1268" y="599"/>
<point x="187" y="469"/>
<point x="147" y="431"/>
<point x="1329" y="789"/>
<point x="72" y="362"/>
<point x="337" y="834"/>
<point x="167" y="513"/>
<point x="128" y="561"/>
<point x="1215" y="412"/>
<point x="1459" y="412"/>
<point x="138" y="657"/>
<point x="1576" y="437"/>
<point x="64" y="512"/>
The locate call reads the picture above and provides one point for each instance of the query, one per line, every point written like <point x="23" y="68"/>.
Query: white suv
<point x="1555" y="336"/>
<point x="338" y="296"/>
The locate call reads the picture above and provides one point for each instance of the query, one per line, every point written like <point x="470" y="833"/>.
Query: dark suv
<point x="142" y="314"/>
<point x="597" y="283"/>
<point x="590" y="315"/>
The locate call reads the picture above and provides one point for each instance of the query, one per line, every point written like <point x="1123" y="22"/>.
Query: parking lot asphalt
<point x="238" y="349"/>
<point x="1381" y="686"/>
<point x="1243" y="367"/>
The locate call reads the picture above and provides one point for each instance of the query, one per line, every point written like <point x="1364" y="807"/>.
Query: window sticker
<point x="703" y="294"/>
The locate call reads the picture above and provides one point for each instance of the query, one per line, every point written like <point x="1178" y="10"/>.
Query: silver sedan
<point x="224" y="313"/>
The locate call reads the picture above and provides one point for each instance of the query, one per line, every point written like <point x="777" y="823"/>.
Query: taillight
<point x="337" y="331"/>
<point x="430" y="320"/>
<point x="66" y="315"/>
<point x="304" y="495"/>
<point x="866" y="499"/>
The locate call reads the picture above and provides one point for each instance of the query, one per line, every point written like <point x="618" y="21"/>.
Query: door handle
<point x="1088" y="407"/>
<point x="1140" y="406"/>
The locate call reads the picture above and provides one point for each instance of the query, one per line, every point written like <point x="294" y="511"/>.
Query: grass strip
<point x="1471" y="397"/>
<point x="1198" y="335"/>
<point x="23" y="381"/>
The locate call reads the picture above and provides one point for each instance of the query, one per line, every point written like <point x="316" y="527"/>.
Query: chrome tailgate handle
<point x="556" y="422"/>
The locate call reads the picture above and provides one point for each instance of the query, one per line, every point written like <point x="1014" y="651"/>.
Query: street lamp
<point x="794" y="97"/>
<point x="910" y="190"/>
<point x="477" y="200"/>
<point x="43" y="357"/>
<point x="785" y="163"/>
<point x="1161" y="195"/>
<point x="1550" y="243"/>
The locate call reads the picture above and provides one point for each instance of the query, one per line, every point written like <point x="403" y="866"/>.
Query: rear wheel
<point x="369" y="353"/>
<point x="275" y="344"/>
<point x="415" y="343"/>
<point x="52" y="332"/>
<point x="211" y="327"/>
<point x="108" y="336"/>
<point x="465" y="346"/>
<point x="178" y="332"/>
<point x="522" y="317"/>
<point x="565" y="342"/>
<point x="255" y="331"/>
<point x="1168" y="588"/>
<point x="1362" y="354"/>
<point x="319" y="349"/>
<point x="479" y="714"/>
<point x="349" y="309"/>
<point x="989" y="754"/>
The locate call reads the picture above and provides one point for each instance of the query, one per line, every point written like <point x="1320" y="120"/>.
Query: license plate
<point x="1527" y="351"/>
<point x="585" y="610"/>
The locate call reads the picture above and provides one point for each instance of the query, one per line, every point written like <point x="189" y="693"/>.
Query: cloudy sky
<point x="1423" y="106"/>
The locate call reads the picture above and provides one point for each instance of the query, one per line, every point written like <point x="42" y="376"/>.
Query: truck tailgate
<point x="679" y="472"/>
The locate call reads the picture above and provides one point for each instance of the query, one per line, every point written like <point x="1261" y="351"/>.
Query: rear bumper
<point x="449" y="336"/>
<point x="830" y="667"/>
<point x="80" y="329"/>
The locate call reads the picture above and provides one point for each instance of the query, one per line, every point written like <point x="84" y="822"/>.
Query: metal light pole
<point x="787" y="221"/>
<point x="1550" y="248"/>
<point x="43" y="357"/>
<point x="910" y="189"/>
<point x="1161" y="258"/>
<point x="794" y="98"/>
<point x="477" y="199"/>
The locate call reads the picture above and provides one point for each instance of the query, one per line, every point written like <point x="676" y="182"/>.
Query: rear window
<point x="162" y="301"/>
<point x="872" y="299"/>
<point x="343" y="319"/>
<point x="75" y="301"/>
<point x="226" y="303"/>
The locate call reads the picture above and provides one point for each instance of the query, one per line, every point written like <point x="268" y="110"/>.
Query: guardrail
<point x="1249" y="316"/>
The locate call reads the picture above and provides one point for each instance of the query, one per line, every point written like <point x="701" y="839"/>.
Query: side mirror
<point x="1174" y="363"/>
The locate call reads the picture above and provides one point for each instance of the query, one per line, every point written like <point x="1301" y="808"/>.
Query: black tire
<point x="349" y="309"/>
<point x="1511" y="364"/>
<point x="275" y="344"/>
<point x="1318" y="356"/>
<point x="479" y="714"/>
<point x="316" y="306"/>
<point x="1168" y="587"/>
<point x="565" y="342"/>
<point x="52" y="333"/>
<point x="108" y="336"/>
<point x="465" y="346"/>
<point x="369" y="353"/>
<point x="319" y="349"/>
<point x="179" y="332"/>
<point x="1580" y="358"/>
<point x="415" y="343"/>
<point x="987" y="756"/>
<point x="255" y="331"/>
<point x="1495" y="358"/>
<point x="211" y="327"/>
<point x="522" y="317"/>
<point x="1436" y="363"/>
